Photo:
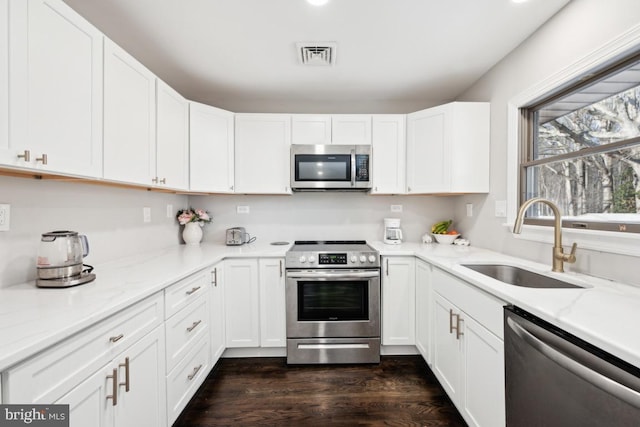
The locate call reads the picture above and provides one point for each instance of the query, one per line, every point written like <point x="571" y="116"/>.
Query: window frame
<point x="527" y="140"/>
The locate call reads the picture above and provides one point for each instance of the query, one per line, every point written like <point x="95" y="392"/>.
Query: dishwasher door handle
<point x="622" y="392"/>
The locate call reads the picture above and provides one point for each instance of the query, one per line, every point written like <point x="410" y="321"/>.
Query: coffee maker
<point x="392" y="231"/>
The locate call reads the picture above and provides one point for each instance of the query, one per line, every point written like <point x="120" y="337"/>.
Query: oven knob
<point x="372" y="258"/>
<point x="363" y="258"/>
<point x="354" y="258"/>
<point x="312" y="259"/>
<point x="303" y="259"/>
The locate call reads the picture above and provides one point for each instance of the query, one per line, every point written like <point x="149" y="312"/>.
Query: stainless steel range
<point x="333" y="302"/>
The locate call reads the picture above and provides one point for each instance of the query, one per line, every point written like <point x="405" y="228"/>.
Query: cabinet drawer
<point x="185" y="328"/>
<point x="483" y="307"/>
<point x="180" y="294"/>
<point x="188" y="375"/>
<point x="49" y="375"/>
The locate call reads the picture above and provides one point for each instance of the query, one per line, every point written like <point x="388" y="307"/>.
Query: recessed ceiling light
<point x="318" y="2"/>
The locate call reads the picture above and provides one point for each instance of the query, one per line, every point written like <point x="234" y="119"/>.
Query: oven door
<point x="333" y="303"/>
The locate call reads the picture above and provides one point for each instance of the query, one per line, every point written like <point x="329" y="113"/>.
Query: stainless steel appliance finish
<point x="331" y="167"/>
<point x="60" y="260"/>
<point x="520" y="277"/>
<point x="333" y="303"/>
<point x="556" y="379"/>
<point x="237" y="236"/>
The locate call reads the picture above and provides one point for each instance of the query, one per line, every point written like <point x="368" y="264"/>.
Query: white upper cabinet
<point x="211" y="149"/>
<point x="389" y="154"/>
<point x="4" y="79"/>
<point x="262" y="153"/>
<point x="448" y="149"/>
<point x="55" y="92"/>
<point x="129" y="118"/>
<point x="172" y="138"/>
<point x="348" y="129"/>
<point x="351" y="129"/>
<point x="310" y="129"/>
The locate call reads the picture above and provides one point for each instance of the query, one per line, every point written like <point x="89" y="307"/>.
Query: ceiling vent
<point x="317" y="53"/>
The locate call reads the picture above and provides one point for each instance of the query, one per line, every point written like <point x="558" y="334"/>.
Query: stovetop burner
<point x="332" y="254"/>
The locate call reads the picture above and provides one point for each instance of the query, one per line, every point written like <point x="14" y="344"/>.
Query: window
<point x="582" y="152"/>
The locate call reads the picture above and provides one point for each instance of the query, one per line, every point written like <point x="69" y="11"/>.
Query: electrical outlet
<point x="242" y="209"/>
<point x="146" y="214"/>
<point x="469" y="209"/>
<point x="5" y="217"/>
<point x="396" y="208"/>
<point x="501" y="208"/>
<point x="169" y="211"/>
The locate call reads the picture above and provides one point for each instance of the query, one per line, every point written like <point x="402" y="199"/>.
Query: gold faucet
<point x="559" y="257"/>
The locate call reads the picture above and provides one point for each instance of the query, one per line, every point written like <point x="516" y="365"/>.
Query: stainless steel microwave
<point x="330" y="167"/>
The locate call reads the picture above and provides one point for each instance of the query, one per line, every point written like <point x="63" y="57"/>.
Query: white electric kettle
<point x="60" y="259"/>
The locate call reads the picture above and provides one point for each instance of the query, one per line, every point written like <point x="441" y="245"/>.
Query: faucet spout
<point x="559" y="257"/>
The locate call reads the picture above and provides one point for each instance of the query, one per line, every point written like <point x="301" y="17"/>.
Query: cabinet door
<point x="4" y="84"/>
<point x="88" y="402"/>
<point x="398" y="301"/>
<point x="129" y="118"/>
<point x="55" y="89"/>
<point x="447" y="348"/>
<point x="310" y="129"/>
<point x="262" y="153"/>
<point x="211" y="143"/>
<point x="351" y="129"/>
<point x="172" y="138"/>
<point x="144" y="403"/>
<point x="423" y="309"/>
<point x="484" y="399"/>
<point x="217" y="313"/>
<point x="389" y="156"/>
<point x="272" y="303"/>
<point x="470" y="150"/>
<point x="242" y="304"/>
<point x="426" y="147"/>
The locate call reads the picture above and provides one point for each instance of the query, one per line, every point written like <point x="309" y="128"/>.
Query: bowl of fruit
<point x="441" y="232"/>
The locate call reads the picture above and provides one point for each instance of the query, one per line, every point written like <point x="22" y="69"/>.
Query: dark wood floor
<point x="400" y="391"/>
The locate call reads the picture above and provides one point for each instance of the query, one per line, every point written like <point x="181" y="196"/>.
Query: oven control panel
<point x="332" y="259"/>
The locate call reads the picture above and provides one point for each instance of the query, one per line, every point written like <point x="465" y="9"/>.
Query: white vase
<point x="192" y="233"/>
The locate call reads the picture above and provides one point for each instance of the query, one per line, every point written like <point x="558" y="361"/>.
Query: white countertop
<point x="32" y="319"/>
<point x="604" y="313"/>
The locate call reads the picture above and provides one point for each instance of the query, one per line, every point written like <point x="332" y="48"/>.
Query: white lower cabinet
<point x="216" y="312"/>
<point x="398" y="300"/>
<point x="423" y="309"/>
<point x="468" y="349"/>
<point x="254" y="303"/>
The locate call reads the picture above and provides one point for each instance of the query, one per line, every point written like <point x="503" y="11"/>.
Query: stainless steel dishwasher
<point x="553" y="378"/>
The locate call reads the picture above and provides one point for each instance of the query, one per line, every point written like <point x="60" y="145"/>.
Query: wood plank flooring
<point x="400" y="391"/>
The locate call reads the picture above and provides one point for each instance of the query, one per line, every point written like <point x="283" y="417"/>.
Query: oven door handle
<point x="592" y="376"/>
<point x="325" y="275"/>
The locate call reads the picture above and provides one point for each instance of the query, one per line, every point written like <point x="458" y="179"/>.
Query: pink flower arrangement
<point x="193" y="215"/>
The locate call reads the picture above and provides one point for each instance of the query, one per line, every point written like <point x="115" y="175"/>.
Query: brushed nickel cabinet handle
<point x="154" y="180"/>
<point x="280" y="268"/>
<point x="193" y="374"/>
<point x="451" y="321"/>
<point x="214" y="276"/>
<point x="26" y="156"/>
<point x="387" y="260"/>
<point x="459" y="332"/>
<point x="163" y="181"/>
<point x="194" y="325"/>
<point x="231" y="188"/>
<point x="116" y="338"/>
<point x="125" y="365"/>
<point x="42" y="159"/>
<point x="193" y="290"/>
<point x="114" y="388"/>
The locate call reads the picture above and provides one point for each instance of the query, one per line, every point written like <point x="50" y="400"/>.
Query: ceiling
<point x="392" y="55"/>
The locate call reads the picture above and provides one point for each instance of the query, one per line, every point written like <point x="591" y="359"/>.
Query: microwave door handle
<point x="353" y="168"/>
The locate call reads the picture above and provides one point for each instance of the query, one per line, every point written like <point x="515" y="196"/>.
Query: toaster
<point x="237" y="236"/>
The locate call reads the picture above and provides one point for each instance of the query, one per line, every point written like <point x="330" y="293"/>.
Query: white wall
<point x="111" y="218"/>
<point x="321" y="216"/>
<point x="581" y="28"/>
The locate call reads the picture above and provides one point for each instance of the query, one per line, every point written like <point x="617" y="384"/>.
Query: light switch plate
<point x="242" y="209"/>
<point x="396" y="208"/>
<point x="146" y="214"/>
<point x="169" y="211"/>
<point x="5" y="217"/>
<point x="469" y="209"/>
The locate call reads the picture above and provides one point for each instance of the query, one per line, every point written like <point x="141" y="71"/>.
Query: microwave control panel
<point x="362" y="167"/>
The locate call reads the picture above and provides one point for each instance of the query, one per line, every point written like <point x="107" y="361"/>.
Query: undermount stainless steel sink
<point x="519" y="277"/>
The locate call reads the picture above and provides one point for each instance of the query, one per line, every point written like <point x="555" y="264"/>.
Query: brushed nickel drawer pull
<point x="214" y="276"/>
<point x="163" y="181"/>
<point x="193" y="374"/>
<point x="459" y="332"/>
<point x="194" y="325"/>
<point x="154" y="180"/>
<point x="26" y="156"/>
<point x="114" y="388"/>
<point x="116" y="338"/>
<point x="125" y="365"/>
<point x="193" y="290"/>
<point x="451" y="321"/>
<point x="42" y="159"/>
<point x="280" y="268"/>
